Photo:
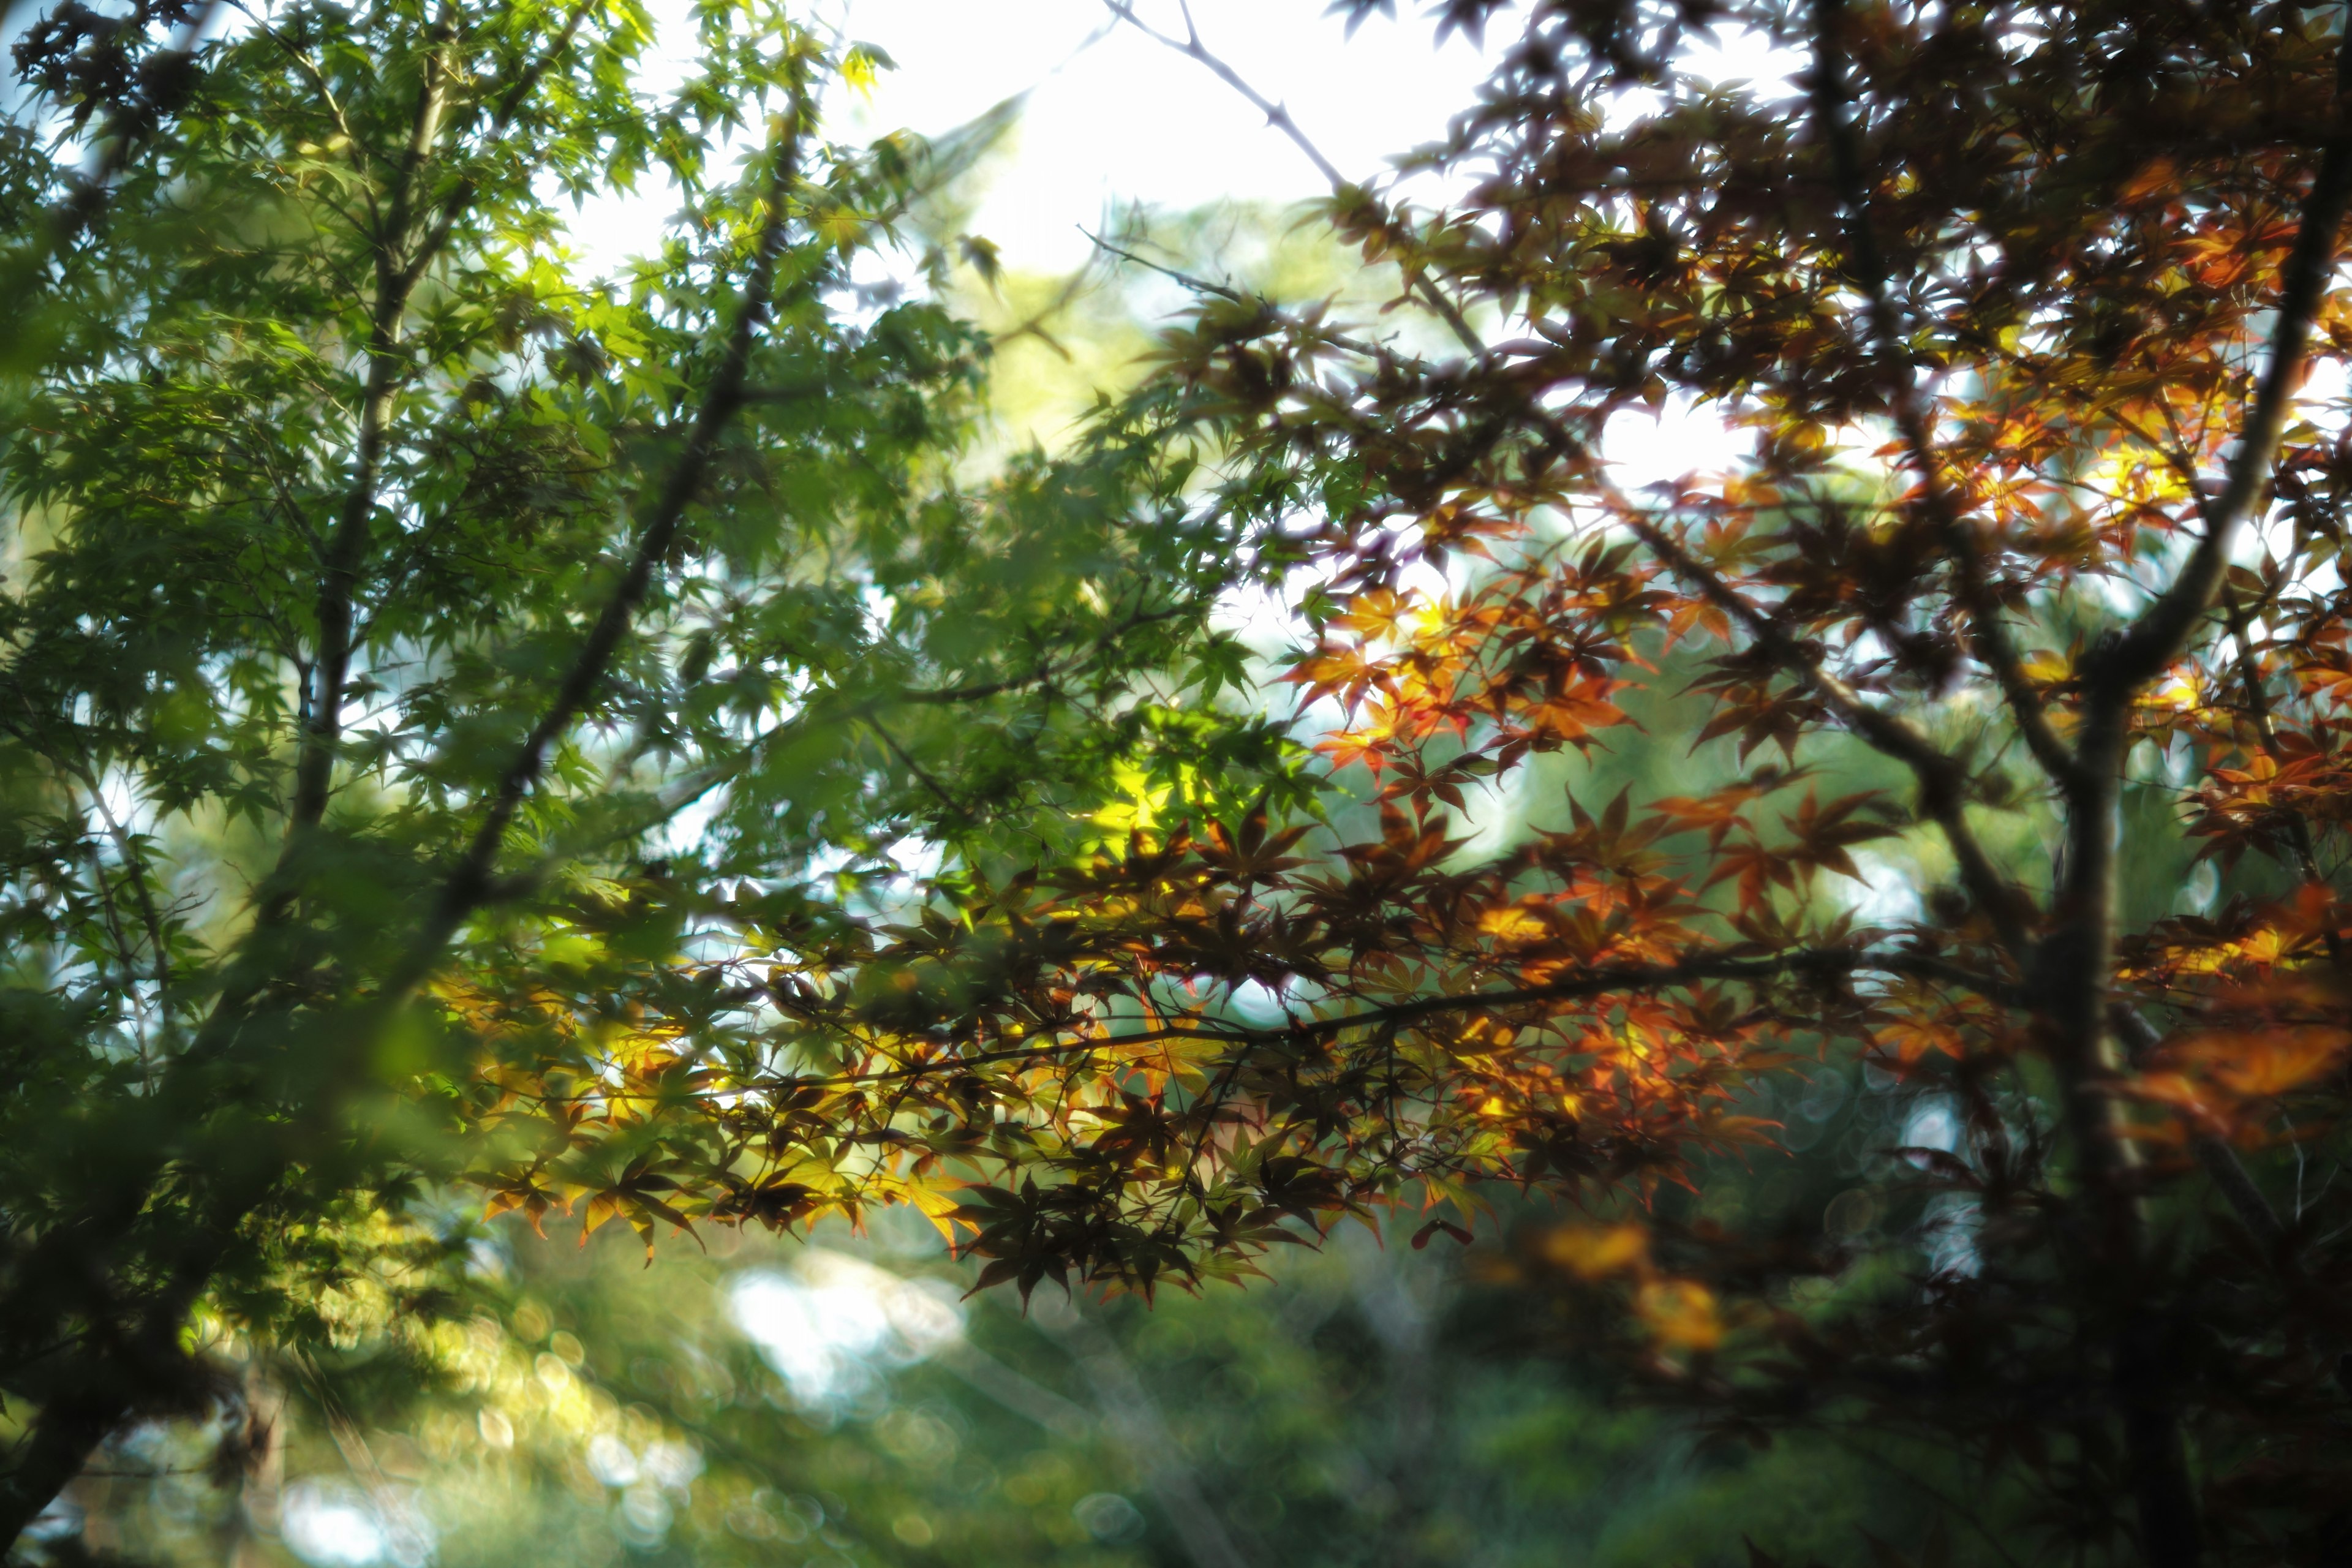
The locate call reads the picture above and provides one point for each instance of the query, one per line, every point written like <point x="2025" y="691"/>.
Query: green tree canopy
<point x="435" y="676"/>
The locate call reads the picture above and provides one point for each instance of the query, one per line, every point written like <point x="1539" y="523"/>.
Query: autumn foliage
<point x="2029" y="581"/>
<point x="2031" y="313"/>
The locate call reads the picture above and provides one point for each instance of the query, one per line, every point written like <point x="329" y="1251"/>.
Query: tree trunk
<point x="2075" y="966"/>
<point x="68" y="1431"/>
<point x="2163" y="1491"/>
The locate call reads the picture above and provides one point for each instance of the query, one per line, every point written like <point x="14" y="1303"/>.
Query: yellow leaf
<point x="858" y="73"/>
<point x="1594" y="1252"/>
<point x="1681" y="1313"/>
<point x="938" y="1205"/>
<point x="1514" y="922"/>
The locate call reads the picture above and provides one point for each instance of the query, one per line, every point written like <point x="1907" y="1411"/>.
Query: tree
<point x="408" y="635"/>
<point x="2017" y="302"/>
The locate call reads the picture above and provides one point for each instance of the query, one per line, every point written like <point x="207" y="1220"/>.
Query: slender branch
<point x="2163" y="628"/>
<point x="1278" y="116"/>
<point x="923" y="775"/>
<point x="134" y="863"/>
<point x="1044" y="673"/>
<point x="347" y="543"/>
<point x="126" y="953"/>
<point x="397" y="276"/>
<point x="2305" y="852"/>
<point x="1816" y="964"/>
<point x="470" y="880"/>
<point x="1198" y="285"/>
<point x="356" y="145"/>
<point x="1940" y="778"/>
<point x="461" y="194"/>
<point x="1988" y="627"/>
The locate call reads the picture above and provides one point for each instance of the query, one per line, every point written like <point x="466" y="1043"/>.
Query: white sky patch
<point x="613" y="226"/>
<point x="2324" y="392"/>
<point x="833" y="1325"/>
<point x="1264" y="620"/>
<point x="1932" y="1124"/>
<point x="1886" y="896"/>
<point x="918" y="858"/>
<point x="1947" y="1229"/>
<point x="1749" y="55"/>
<point x="1259" y="1002"/>
<point x="1679" y="439"/>
<point x="330" y="1523"/>
<point x="1730" y="55"/>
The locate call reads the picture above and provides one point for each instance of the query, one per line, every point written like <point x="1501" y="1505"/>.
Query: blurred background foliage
<point x="1063" y="342"/>
<point x="836" y="1403"/>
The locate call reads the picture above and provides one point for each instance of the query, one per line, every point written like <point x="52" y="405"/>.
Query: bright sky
<point x="1111" y="116"/>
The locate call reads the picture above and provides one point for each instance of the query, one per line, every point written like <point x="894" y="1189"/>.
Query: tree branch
<point x="2258" y="708"/>
<point x="1819" y="963"/>
<point x="396" y="278"/>
<point x="2163" y="628"/>
<point x="470" y="878"/>
<point x="1806" y="962"/>
<point x="1941" y="781"/>
<point x="461" y="194"/>
<point x="62" y="1438"/>
<point x="1046" y="671"/>
<point x="1279" y="117"/>
<point x="1276" y="114"/>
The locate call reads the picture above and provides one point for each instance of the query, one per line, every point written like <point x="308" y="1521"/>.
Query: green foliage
<point x="397" y="614"/>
